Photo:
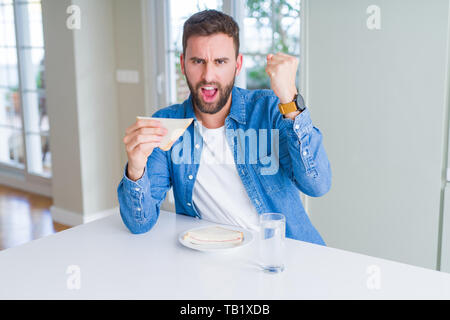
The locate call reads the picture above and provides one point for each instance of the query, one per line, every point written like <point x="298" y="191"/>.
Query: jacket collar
<point x="237" y="109"/>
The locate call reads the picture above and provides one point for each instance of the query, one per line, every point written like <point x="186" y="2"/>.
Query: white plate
<point x="248" y="238"/>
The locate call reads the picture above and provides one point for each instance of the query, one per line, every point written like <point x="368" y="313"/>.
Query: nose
<point x="208" y="72"/>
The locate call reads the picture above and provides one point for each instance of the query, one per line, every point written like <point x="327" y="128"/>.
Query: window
<point x="24" y="127"/>
<point x="266" y="26"/>
<point x="269" y="26"/>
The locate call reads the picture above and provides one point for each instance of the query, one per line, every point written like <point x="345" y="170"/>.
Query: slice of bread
<point x="214" y="235"/>
<point x="175" y="128"/>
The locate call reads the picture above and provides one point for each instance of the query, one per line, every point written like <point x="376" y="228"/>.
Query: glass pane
<point x="44" y="126"/>
<point x="7" y="35"/>
<point x="10" y="108"/>
<point x="6" y="2"/>
<point x="272" y="26"/>
<point x="11" y="147"/>
<point x="288" y="38"/>
<point x="38" y="153"/>
<point x="33" y="68"/>
<point x="182" y="89"/>
<point x="9" y="74"/>
<point x="257" y="30"/>
<point x="35" y="115"/>
<point x="180" y="11"/>
<point x="7" y="13"/>
<point x="255" y="69"/>
<point x="7" y="29"/>
<point x="32" y="28"/>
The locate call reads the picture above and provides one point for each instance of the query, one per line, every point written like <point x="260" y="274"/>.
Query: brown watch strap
<point x="287" y="107"/>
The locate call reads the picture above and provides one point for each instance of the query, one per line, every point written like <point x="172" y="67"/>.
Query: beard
<point x="210" y="108"/>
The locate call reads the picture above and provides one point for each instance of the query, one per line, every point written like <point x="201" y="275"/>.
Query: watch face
<point x="300" y="103"/>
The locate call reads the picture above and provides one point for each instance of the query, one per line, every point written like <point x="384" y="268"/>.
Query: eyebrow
<point x="222" y="58"/>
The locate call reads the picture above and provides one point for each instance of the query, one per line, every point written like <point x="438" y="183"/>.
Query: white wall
<point x="129" y="48"/>
<point x="83" y="112"/>
<point x="62" y="107"/>
<point x="379" y="97"/>
<point x="97" y="105"/>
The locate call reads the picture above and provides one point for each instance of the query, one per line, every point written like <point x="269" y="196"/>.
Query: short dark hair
<point x="209" y="22"/>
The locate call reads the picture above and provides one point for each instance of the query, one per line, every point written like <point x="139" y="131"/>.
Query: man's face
<point x="210" y="67"/>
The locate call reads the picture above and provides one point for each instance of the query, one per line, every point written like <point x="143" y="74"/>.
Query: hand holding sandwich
<point x="140" y="140"/>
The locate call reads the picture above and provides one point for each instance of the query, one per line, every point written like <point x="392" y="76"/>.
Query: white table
<point x="115" y="264"/>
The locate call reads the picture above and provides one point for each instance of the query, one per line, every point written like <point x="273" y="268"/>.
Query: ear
<point x="182" y="63"/>
<point x="239" y="62"/>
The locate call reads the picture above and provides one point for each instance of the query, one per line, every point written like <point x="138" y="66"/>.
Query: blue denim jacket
<point x="275" y="157"/>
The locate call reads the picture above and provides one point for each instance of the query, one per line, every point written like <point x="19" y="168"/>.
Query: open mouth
<point x="209" y="93"/>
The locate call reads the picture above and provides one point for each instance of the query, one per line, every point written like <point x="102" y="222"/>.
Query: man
<point x="215" y="174"/>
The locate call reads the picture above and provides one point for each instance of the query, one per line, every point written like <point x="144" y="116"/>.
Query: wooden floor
<point x="24" y="217"/>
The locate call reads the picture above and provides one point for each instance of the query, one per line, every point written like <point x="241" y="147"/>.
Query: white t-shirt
<point x="219" y="194"/>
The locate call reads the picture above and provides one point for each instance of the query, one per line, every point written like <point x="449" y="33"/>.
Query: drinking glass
<point x="272" y="247"/>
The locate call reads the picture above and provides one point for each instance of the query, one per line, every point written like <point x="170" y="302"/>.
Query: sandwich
<point x="175" y="129"/>
<point x="214" y="235"/>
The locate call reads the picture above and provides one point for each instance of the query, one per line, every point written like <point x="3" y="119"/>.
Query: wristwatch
<point x="295" y="105"/>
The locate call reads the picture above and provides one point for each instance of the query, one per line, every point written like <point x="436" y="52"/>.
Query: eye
<point x="197" y="61"/>
<point x="220" y="61"/>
